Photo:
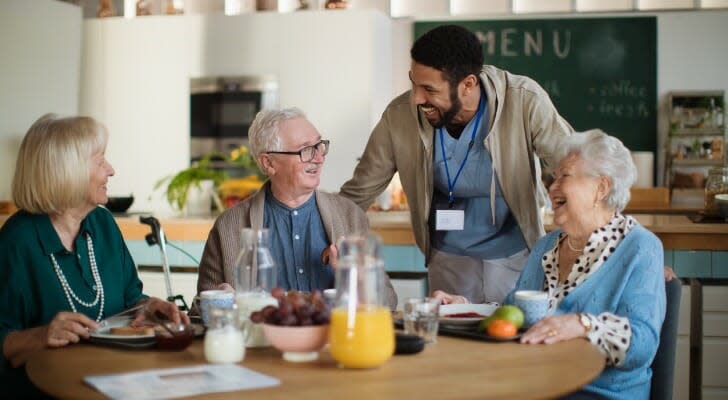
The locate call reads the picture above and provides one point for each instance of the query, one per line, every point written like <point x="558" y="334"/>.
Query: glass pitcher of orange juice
<point x="361" y="332"/>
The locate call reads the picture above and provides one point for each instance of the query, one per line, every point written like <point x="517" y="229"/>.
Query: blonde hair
<point x="52" y="173"/>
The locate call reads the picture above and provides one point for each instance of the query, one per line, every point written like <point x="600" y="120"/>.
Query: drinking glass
<point x="421" y="318"/>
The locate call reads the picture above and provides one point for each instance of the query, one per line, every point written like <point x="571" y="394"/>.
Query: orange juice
<point x="364" y="341"/>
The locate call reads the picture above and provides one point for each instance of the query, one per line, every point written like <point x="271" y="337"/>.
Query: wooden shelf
<point x="698" y="132"/>
<point x="694" y="162"/>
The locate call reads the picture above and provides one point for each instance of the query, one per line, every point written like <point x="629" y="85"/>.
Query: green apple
<point x="508" y="312"/>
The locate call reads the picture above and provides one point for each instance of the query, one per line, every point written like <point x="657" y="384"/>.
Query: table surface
<point x="451" y="368"/>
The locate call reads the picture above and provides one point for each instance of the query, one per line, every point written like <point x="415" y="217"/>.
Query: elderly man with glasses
<point x="304" y="222"/>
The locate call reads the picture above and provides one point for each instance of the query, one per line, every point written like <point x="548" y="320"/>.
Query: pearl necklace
<point x="568" y="243"/>
<point x="98" y="286"/>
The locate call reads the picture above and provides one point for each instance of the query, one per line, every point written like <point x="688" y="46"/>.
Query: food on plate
<point x="502" y="328"/>
<point x="508" y="312"/>
<point x="470" y="314"/>
<point x="132" y="330"/>
<point x="294" y="309"/>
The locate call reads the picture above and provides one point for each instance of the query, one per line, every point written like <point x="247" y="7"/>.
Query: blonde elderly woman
<point x="63" y="262"/>
<point x="304" y="222"/>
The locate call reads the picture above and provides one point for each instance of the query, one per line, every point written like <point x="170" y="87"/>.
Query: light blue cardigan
<point x="630" y="284"/>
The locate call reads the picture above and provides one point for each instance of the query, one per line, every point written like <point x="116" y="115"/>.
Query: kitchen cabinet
<point x="715" y="341"/>
<point x="695" y="143"/>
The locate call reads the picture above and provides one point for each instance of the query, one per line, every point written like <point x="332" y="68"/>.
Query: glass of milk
<point x="247" y="303"/>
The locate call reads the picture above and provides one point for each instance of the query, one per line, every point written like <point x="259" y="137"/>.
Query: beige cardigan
<point x="523" y="125"/>
<point x="340" y="217"/>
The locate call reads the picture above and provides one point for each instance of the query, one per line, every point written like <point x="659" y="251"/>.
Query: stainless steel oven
<point x="222" y="109"/>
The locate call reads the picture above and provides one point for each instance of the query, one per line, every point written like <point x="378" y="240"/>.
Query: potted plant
<point x="231" y="190"/>
<point x="179" y="185"/>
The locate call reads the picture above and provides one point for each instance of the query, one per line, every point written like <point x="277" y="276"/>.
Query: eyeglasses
<point x="308" y="153"/>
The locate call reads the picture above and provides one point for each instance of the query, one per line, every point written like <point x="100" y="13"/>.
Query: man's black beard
<point x="450" y="114"/>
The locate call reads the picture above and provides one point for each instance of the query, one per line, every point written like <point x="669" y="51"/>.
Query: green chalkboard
<point x="599" y="72"/>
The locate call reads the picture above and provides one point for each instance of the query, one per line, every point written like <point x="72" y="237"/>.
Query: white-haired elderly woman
<point x="303" y="221"/>
<point x="63" y="262"/>
<point x="602" y="270"/>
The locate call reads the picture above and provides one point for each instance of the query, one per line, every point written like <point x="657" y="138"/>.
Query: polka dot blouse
<point x="609" y="332"/>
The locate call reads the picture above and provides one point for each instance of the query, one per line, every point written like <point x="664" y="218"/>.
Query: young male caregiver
<point x="466" y="141"/>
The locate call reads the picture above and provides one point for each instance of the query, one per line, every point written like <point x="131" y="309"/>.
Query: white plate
<point x="447" y="309"/>
<point x="104" y="332"/>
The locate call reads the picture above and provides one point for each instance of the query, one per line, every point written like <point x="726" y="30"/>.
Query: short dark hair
<point x="451" y="49"/>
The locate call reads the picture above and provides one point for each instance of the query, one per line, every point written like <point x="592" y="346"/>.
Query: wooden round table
<point x="451" y="368"/>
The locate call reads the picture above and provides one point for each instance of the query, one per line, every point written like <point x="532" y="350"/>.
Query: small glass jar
<point x="717" y="183"/>
<point x="224" y="340"/>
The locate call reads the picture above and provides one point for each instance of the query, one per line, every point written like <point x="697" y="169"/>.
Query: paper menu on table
<point x="169" y="383"/>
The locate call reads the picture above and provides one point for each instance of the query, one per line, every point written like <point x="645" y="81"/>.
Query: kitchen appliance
<point x="222" y="109"/>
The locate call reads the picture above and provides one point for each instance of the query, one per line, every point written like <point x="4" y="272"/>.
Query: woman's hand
<point x="68" y="327"/>
<point x="554" y="329"/>
<point x="65" y="328"/>
<point x="156" y="306"/>
<point x="669" y="274"/>
<point x="447" y="298"/>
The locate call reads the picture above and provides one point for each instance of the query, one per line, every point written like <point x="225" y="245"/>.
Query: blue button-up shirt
<point x="297" y="238"/>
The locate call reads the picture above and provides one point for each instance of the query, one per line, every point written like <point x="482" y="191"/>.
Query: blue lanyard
<point x="451" y="183"/>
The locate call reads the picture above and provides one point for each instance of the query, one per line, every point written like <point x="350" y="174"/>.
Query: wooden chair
<point x="649" y="197"/>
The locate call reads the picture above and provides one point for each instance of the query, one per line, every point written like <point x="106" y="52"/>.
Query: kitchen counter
<point x="676" y="232"/>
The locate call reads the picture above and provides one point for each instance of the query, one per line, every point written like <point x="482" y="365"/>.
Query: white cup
<point x="534" y="304"/>
<point x="214" y="298"/>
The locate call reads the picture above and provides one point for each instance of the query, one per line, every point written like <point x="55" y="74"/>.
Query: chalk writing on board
<point x="513" y="42"/>
<point x="620" y="99"/>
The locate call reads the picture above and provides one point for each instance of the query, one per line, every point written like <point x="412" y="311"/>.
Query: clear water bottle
<point x="266" y="272"/>
<point x="244" y="264"/>
<point x="256" y="275"/>
<point x="255" y="268"/>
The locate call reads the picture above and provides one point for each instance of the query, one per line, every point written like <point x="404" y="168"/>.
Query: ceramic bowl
<point x="179" y="339"/>
<point x="721" y="200"/>
<point x="298" y="343"/>
<point x="119" y="204"/>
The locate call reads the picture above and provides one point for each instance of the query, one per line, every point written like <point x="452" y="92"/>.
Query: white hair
<point x="264" y="134"/>
<point x="603" y="155"/>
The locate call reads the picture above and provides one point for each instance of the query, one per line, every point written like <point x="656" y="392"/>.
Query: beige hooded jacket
<point x="523" y="126"/>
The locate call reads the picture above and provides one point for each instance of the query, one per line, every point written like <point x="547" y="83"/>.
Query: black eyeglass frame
<point x="313" y="147"/>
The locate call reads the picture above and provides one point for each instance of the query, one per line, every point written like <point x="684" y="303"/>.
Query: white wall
<point x="40" y="48"/>
<point x="336" y="66"/>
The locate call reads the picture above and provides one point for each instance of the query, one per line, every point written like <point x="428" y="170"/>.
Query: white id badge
<point x="449" y="220"/>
